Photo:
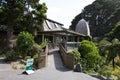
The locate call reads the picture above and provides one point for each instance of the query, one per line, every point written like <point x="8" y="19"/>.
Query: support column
<point x="43" y="37"/>
<point x="66" y="42"/>
<point x="77" y="38"/>
<point x="53" y="42"/>
<point x="66" y="38"/>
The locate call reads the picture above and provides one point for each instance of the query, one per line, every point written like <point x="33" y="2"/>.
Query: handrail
<point x="68" y="59"/>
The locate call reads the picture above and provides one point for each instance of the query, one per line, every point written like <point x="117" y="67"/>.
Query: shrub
<point x="44" y="44"/>
<point x="89" y="54"/>
<point x="27" y="57"/>
<point x="11" y="55"/>
<point x="34" y="54"/>
<point x="117" y="61"/>
<point x="77" y="55"/>
<point x="116" y="72"/>
<point x="25" y="42"/>
<point x="36" y="57"/>
<point x="35" y="50"/>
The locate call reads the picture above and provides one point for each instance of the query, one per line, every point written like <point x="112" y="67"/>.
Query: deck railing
<point x="71" y="45"/>
<point x="67" y="58"/>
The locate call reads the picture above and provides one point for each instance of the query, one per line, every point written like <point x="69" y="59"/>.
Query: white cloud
<point x="54" y="10"/>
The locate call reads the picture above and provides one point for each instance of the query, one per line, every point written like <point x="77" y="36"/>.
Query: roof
<point x="56" y="28"/>
<point x="51" y="25"/>
<point x="63" y="32"/>
<point x="55" y="21"/>
<point x="83" y="27"/>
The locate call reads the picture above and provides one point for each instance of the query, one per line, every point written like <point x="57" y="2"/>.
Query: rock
<point x="22" y="61"/>
<point x="78" y="68"/>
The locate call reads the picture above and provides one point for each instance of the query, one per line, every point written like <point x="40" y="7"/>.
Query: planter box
<point x="42" y="61"/>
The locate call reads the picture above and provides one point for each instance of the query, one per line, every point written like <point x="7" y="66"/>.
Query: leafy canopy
<point x="115" y="33"/>
<point x="22" y="15"/>
<point x="98" y="15"/>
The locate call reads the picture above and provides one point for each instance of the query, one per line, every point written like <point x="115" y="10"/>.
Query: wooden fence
<point x="67" y="58"/>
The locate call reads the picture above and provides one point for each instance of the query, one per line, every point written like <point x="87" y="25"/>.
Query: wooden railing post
<point x="42" y="61"/>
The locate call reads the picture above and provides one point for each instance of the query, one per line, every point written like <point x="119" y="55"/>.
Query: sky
<point x="64" y="11"/>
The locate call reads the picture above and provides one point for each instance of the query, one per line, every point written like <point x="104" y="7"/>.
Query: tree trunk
<point x="9" y="37"/>
<point x="113" y="63"/>
<point x="10" y="20"/>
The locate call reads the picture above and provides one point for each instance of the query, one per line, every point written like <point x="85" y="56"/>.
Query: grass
<point x="108" y="71"/>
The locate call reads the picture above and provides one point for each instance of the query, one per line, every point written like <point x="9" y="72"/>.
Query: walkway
<point x="54" y="71"/>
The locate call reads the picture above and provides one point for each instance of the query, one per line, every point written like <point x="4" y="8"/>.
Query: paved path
<point x="54" y="71"/>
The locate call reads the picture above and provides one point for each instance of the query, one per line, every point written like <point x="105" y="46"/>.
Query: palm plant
<point x="113" y="49"/>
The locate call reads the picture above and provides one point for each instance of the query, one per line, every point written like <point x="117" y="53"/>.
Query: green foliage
<point x="27" y="57"/>
<point x="34" y="53"/>
<point x="107" y="70"/>
<point x="2" y="51"/>
<point x="101" y="14"/>
<point x="102" y="47"/>
<point x="36" y="58"/>
<point x="105" y="73"/>
<point x="115" y="32"/>
<point x="36" y="49"/>
<point x="75" y="21"/>
<point x="21" y="15"/>
<point x="25" y="42"/>
<point x="117" y="60"/>
<point x="113" y="51"/>
<point x="77" y="56"/>
<point x="89" y="38"/>
<point x="114" y="18"/>
<point x="11" y="55"/>
<point x="110" y="50"/>
<point x="89" y="54"/>
<point x="44" y="44"/>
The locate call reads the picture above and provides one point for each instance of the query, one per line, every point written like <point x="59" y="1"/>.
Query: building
<point x="55" y="33"/>
<point x="83" y="27"/>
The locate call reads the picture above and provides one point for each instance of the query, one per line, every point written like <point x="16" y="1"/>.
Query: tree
<point x="113" y="51"/>
<point x="114" y="18"/>
<point x="110" y="50"/>
<point x="75" y="21"/>
<point x="21" y="15"/>
<point x="115" y="32"/>
<point x="97" y="15"/>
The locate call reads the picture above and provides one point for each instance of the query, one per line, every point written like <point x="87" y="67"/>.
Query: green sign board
<point x="29" y="64"/>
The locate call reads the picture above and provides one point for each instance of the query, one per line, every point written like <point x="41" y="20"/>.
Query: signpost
<point x="28" y="69"/>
